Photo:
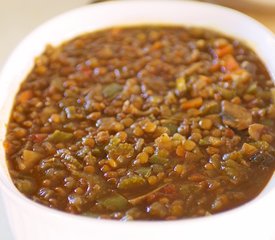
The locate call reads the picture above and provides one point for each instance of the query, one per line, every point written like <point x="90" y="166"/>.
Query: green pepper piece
<point x="70" y="112"/>
<point x="181" y="84"/>
<point x="96" y="151"/>
<point x="227" y="93"/>
<point x="252" y="89"/>
<point x="25" y="185"/>
<point x="112" y="90"/>
<point x="155" y="159"/>
<point x="60" y="136"/>
<point x="188" y="189"/>
<point x="157" y="168"/>
<point x="262" y="145"/>
<point x="144" y="171"/>
<point x="210" y="140"/>
<point x="210" y="107"/>
<point x="267" y="122"/>
<point x="131" y="182"/>
<point x="114" y="202"/>
<point x="173" y="128"/>
<point x="30" y="158"/>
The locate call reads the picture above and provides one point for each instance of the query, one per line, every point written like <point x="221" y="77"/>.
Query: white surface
<point x="30" y="221"/>
<point x="17" y="19"/>
<point x="5" y="231"/>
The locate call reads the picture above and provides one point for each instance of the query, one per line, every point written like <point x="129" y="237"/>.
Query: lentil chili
<point x="152" y="122"/>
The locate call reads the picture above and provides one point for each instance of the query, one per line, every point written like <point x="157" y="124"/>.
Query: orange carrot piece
<point x="8" y="146"/>
<point x="193" y="103"/>
<point x="230" y="63"/>
<point x="215" y="67"/>
<point x="227" y="49"/>
<point x="227" y="77"/>
<point x="25" y="96"/>
<point x="157" y="45"/>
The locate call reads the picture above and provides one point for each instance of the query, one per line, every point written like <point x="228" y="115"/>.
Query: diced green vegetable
<point x="131" y="182"/>
<point x="267" y="94"/>
<point x="204" y="142"/>
<point x="47" y="112"/>
<point x="133" y="213"/>
<point x="255" y="131"/>
<point x="210" y="140"/>
<point x="73" y="112"/>
<point x="60" y="136"/>
<point x="210" y="107"/>
<point x="144" y="171"/>
<point x="114" y="202"/>
<point x="69" y="160"/>
<point x="157" y="168"/>
<point x="181" y="85"/>
<point x="172" y="127"/>
<point x="262" y="145"/>
<point x="227" y="93"/>
<point x="236" y="171"/>
<point x="30" y="158"/>
<point x="188" y="189"/>
<point x="248" y="149"/>
<point x="112" y="90"/>
<point x="119" y="151"/>
<point x="70" y="112"/>
<point x="83" y="151"/>
<point x="252" y="88"/>
<point x="156" y="159"/>
<point x="26" y="185"/>
<point x="267" y="122"/>
<point x="96" y="151"/>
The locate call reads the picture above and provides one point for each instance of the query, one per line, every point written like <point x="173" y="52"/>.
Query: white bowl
<point x="31" y="221"/>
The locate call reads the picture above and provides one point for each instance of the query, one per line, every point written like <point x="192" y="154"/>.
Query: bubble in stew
<point x="143" y="123"/>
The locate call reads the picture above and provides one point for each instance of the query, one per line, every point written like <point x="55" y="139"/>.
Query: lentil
<point x="189" y="145"/>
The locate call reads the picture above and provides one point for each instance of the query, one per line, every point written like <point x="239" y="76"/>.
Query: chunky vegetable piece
<point x="146" y="123"/>
<point x="236" y="116"/>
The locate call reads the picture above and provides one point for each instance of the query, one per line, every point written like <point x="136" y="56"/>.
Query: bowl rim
<point x="9" y="189"/>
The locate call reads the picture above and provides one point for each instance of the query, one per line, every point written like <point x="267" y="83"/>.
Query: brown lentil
<point x="206" y="124"/>
<point x="189" y="145"/>
<point x="143" y="157"/>
<point x="152" y="180"/>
